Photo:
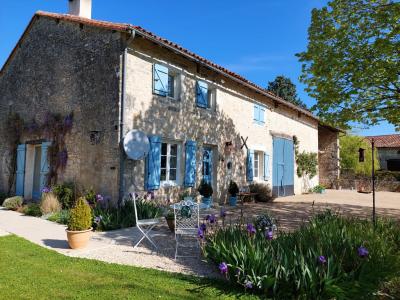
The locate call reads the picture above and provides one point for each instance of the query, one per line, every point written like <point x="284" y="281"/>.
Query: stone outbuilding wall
<point x="328" y="156"/>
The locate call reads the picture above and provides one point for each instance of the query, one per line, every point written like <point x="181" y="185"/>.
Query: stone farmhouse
<point x="73" y="87"/>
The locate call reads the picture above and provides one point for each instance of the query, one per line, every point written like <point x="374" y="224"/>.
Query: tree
<point x="286" y="89"/>
<point x="349" y="146"/>
<point x="352" y="63"/>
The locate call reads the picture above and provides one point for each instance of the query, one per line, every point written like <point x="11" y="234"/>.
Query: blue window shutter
<point x="249" y="169"/>
<point x="262" y="113"/>
<point x="202" y="94"/>
<point x="190" y="164"/>
<point x="20" y="180"/>
<point x="256" y="113"/>
<point x="44" y="165"/>
<point x="153" y="164"/>
<point x="266" y="166"/>
<point x="160" y="80"/>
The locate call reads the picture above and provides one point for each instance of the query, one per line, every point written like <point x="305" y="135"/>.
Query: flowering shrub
<point x="323" y="259"/>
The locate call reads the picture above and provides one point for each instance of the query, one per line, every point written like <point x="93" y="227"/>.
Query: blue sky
<point x="257" y="39"/>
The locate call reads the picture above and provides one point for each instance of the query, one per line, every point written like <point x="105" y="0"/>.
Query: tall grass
<point x="290" y="266"/>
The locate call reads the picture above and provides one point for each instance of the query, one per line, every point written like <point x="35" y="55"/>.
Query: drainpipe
<point x="121" y="119"/>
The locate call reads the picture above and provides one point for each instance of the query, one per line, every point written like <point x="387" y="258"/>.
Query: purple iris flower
<point x="99" y="198"/>
<point x="251" y="229"/>
<point x="213" y="219"/>
<point x="223" y="268"/>
<point x="248" y="284"/>
<point x="200" y="233"/>
<point x="362" y="252"/>
<point x="322" y="259"/>
<point x="222" y="213"/>
<point x="203" y="227"/>
<point x="46" y="190"/>
<point x="269" y="235"/>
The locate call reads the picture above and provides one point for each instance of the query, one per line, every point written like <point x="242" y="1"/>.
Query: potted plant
<point x="170" y="217"/>
<point x="79" y="224"/>
<point x="233" y="190"/>
<point x="205" y="189"/>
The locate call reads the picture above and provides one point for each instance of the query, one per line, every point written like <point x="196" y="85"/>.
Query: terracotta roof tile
<point x="386" y="141"/>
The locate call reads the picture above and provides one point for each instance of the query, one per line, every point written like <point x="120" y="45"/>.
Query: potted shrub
<point x="205" y="189"/>
<point x="79" y="224"/>
<point x="170" y="217"/>
<point x="233" y="190"/>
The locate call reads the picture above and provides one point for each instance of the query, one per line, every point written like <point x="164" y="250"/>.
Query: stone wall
<point x="62" y="67"/>
<point x="328" y="156"/>
<point x="182" y="120"/>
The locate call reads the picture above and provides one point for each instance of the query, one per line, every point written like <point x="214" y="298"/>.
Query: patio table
<point x="243" y="195"/>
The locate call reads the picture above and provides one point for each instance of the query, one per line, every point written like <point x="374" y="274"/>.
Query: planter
<point x="207" y="201"/>
<point x="171" y="224"/>
<point x="78" y="239"/>
<point x="232" y="200"/>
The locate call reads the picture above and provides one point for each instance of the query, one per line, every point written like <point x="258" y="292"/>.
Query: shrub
<point x="3" y="196"/>
<point x="81" y="216"/>
<point x="13" y="203"/>
<point x="265" y="222"/>
<point x="321" y="260"/>
<point x="263" y="192"/>
<point x="318" y="189"/>
<point x="205" y="189"/>
<point x="32" y="209"/>
<point x="61" y="217"/>
<point x="65" y="194"/>
<point x="233" y="188"/>
<point x="90" y="197"/>
<point x="49" y="203"/>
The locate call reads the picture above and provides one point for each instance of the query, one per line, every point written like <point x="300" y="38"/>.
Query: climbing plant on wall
<point x="54" y="129"/>
<point x="307" y="162"/>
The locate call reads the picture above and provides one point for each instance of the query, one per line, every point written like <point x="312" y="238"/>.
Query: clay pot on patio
<point x="78" y="239"/>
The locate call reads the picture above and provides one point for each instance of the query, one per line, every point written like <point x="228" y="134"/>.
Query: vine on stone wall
<point x="307" y="162"/>
<point x="54" y="129"/>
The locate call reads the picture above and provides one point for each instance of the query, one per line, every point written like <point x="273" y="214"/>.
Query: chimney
<point x="80" y="8"/>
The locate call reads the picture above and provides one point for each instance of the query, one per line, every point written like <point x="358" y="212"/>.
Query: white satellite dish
<point x="136" y="144"/>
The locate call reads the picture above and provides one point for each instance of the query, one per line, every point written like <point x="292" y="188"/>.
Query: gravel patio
<point x="116" y="246"/>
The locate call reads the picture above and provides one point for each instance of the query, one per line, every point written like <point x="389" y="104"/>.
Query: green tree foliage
<point x="286" y="89"/>
<point x="352" y="62"/>
<point x="349" y="146"/>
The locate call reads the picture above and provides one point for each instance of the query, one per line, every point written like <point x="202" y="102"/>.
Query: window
<point x="258" y="165"/>
<point x="166" y="82"/>
<point x="169" y="163"/>
<point x="259" y="114"/>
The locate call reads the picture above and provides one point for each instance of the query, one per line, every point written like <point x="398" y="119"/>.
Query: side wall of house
<point x="328" y="157"/>
<point x="62" y="67"/>
<point x="182" y="120"/>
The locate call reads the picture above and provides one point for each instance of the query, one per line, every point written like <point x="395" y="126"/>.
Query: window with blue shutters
<point x="259" y="114"/>
<point x="44" y="165"/>
<point x="20" y="178"/>
<point x="202" y="95"/>
<point x="166" y="82"/>
<point x="190" y="164"/>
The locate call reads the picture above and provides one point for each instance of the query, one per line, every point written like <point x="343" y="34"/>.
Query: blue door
<point x="283" y="167"/>
<point x="207" y="168"/>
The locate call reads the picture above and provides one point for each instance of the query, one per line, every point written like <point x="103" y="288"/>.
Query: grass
<point x="28" y="271"/>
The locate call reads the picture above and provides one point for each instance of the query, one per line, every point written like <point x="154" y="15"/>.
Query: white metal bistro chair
<point x="187" y="221"/>
<point x="141" y="224"/>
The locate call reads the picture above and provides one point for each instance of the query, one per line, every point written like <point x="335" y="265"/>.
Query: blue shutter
<point x="160" y="80"/>
<point x="266" y="166"/>
<point x="261" y="116"/>
<point x="249" y="169"/>
<point x="256" y="113"/>
<point x="190" y="164"/>
<point x="44" y="165"/>
<point x="20" y="180"/>
<point x="153" y="164"/>
<point x="202" y="94"/>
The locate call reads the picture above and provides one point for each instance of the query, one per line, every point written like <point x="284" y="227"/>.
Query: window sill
<point x="168" y="184"/>
<point x="261" y="124"/>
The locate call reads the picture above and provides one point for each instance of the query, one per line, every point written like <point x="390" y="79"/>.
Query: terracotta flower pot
<point x="171" y="224"/>
<point x="78" y="239"/>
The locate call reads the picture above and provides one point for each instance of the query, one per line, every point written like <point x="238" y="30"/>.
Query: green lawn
<point x="28" y="271"/>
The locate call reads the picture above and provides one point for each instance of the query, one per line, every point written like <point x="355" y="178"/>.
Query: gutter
<point x="122" y="120"/>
